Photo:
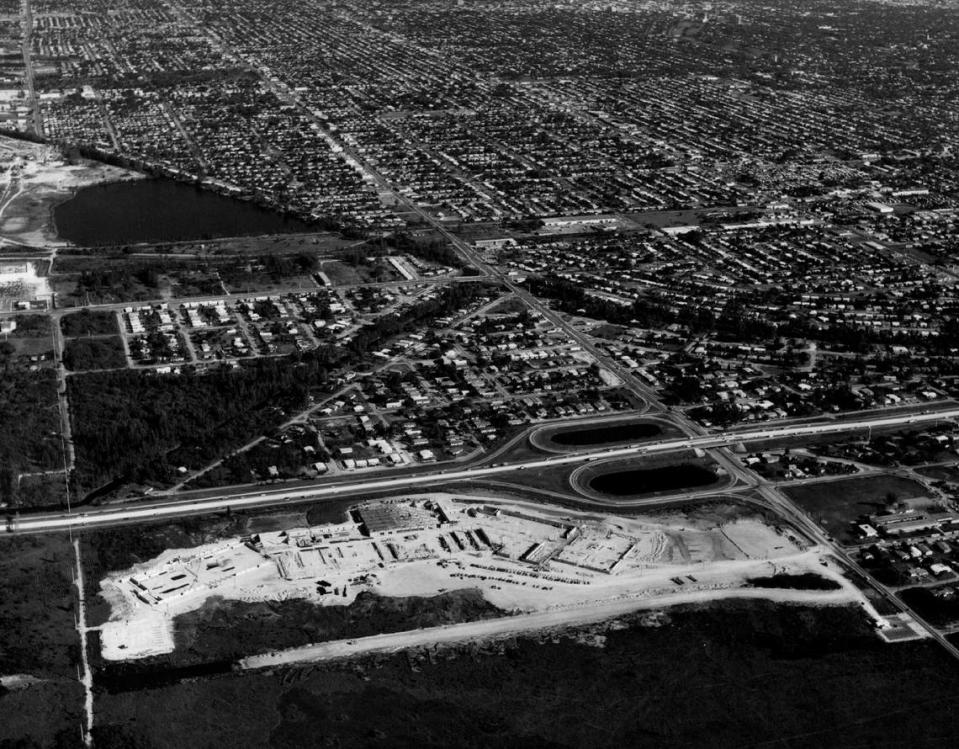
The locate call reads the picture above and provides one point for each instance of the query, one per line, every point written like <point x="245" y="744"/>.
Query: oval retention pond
<point x="652" y="480"/>
<point x="601" y="435"/>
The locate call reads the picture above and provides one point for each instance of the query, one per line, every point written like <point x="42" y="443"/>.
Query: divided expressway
<point x="171" y="508"/>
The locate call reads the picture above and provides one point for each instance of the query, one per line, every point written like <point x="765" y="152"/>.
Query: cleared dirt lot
<point x="501" y="557"/>
<point x="40" y="179"/>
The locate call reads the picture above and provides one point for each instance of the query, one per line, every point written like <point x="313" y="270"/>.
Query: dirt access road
<point x="581" y="614"/>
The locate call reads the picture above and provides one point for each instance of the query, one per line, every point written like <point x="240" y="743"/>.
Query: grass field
<point x="273" y="244"/>
<point x="552" y="479"/>
<point x="941" y="473"/>
<point x="27" y="347"/>
<point x="837" y="504"/>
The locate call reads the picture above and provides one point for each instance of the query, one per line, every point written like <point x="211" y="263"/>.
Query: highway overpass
<point x="172" y="508"/>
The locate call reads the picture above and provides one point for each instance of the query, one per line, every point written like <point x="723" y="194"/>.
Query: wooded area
<point x="94" y="353"/>
<point x="30" y="437"/>
<point x="136" y="426"/>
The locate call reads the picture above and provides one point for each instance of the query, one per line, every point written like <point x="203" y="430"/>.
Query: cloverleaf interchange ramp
<point x="152" y="511"/>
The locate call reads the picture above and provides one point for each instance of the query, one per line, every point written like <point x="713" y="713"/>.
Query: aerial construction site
<point x="541" y="566"/>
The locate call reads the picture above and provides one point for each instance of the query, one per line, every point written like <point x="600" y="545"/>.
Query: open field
<point x="110" y="276"/>
<point x="837" y="504"/>
<point x="344" y="273"/>
<point x="550" y="479"/>
<point x="941" y="473"/>
<point x="274" y="244"/>
<point x="25" y="349"/>
<point x="113" y="276"/>
<point x="29" y="345"/>
<point x="723" y="675"/>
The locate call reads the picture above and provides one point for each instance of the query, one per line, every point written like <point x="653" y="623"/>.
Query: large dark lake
<point x="157" y="210"/>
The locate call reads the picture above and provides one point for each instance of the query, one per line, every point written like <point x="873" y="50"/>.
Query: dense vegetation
<point x="730" y="675"/>
<point x="940" y="607"/>
<point x="140" y="427"/>
<point x="36" y="606"/>
<point x="804" y="581"/>
<point x="38" y="638"/>
<point x="87" y="322"/>
<point x="30" y="437"/>
<point x="32" y="326"/>
<point x="94" y="353"/>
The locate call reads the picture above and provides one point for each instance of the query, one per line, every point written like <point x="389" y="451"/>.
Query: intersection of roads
<point x="718" y="446"/>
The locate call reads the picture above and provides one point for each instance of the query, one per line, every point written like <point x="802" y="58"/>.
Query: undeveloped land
<point x="39" y="645"/>
<point x="837" y="504"/>
<point x="735" y="674"/>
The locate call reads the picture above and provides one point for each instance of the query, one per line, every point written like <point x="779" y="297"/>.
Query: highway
<point x="26" y="23"/>
<point x="106" y="516"/>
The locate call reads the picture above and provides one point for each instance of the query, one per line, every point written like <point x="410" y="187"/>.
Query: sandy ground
<point x="508" y="626"/>
<point x="558" y="565"/>
<point x="33" y="179"/>
<point x="152" y="635"/>
<point x="608" y="378"/>
<point x="20" y="282"/>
